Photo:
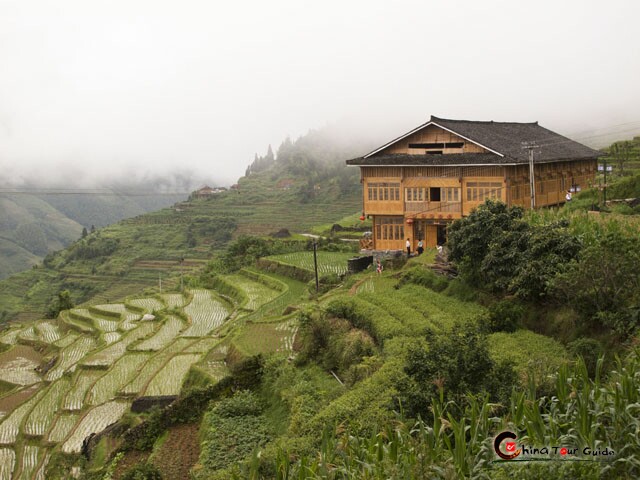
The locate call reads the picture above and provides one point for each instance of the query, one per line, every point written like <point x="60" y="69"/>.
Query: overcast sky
<point x="94" y="88"/>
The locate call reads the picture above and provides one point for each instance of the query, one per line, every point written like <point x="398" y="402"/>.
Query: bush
<point x="335" y="345"/>
<point x="424" y="277"/>
<point x="325" y="283"/>
<point x="455" y="363"/>
<point x="503" y="316"/>
<point x="142" y="471"/>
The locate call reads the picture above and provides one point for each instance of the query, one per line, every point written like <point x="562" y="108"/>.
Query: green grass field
<point x="328" y="262"/>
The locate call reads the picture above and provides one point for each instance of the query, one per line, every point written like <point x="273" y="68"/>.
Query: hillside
<point x="139" y="251"/>
<point x="32" y="225"/>
<point x="405" y="373"/>
<point x="253" y="363"/>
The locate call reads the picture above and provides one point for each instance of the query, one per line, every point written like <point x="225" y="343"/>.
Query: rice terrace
<point x="100" y="358"/>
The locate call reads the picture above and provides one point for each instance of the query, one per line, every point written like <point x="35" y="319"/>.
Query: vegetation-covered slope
<point x="140" y="251"/>
<point x="32" y="225"/>
<point x="404" y="374"/>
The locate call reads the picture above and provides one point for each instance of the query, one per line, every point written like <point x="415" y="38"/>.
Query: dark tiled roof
<point x="503" y="137"/>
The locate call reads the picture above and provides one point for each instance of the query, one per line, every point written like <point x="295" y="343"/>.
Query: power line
<point x="105" y="193"/>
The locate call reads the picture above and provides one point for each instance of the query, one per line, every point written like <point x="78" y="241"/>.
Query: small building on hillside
<point x="417" y="184"/>
<point x="207" y="191"/>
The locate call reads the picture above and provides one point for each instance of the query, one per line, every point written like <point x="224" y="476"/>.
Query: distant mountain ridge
<point x="32" y="225"/>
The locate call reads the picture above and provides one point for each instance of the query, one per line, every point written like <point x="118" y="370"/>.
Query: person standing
<point x="379" y="267"/>
<point x="408" y="248"/>
<point x="420" y="247"/>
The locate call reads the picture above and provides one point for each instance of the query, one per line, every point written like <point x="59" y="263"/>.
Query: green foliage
<point x="453" y="364"/>
<point x="214" y="231"/>
<point x="589" y="349"/>
<point x="325" y="283"/>
<point x="142" y="471"/>
<point x="604" y="283"/>
<point x="469" y="238"/>
<point x="334" y="344"/>
<point x="231" y="430"/>
<point x="365" y="316"/>
<point x="495" y="247"/>
<point x="534" y="357"/>
<point x="92" y="247"/>
<point x="62" y="302"/>
<point x="504" y="316"/>
<point x="456" y="441"/>
<point x="424" y="277"/>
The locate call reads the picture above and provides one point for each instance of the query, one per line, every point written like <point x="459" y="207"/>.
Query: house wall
<point x="429" y="196"/>
<point x="394" y="194"/>
<point x="431" y="134"/>
<point x="552" y="181"/>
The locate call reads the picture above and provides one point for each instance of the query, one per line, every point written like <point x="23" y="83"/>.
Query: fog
<point x="92" y="91"/>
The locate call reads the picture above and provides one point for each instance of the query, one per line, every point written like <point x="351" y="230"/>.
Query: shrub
<point x="503" y="316"/>
<point x="325" y="283"/>
<point x="454" y="364"/>
<point x="424" y="277"/>
<point x="335" y="344"/>
<point x="142" y="471"/>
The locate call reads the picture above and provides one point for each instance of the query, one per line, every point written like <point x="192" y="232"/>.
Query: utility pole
<point x="532" y="183"/>
<point x="604" y="192"/>
<point x="315" y="263"/>
<point x="181" y="285"/>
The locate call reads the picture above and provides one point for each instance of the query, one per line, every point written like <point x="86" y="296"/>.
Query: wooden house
<point x="417" y="184"/>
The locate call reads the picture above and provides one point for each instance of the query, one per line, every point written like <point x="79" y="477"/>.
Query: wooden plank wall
<point x="431" y="134"/>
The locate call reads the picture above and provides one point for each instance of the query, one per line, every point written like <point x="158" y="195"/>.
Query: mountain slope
<point x="33" y="225"/>
<point x="301" y="187"/>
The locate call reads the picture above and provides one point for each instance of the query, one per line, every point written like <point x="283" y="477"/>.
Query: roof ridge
<point x="488" y="122"/>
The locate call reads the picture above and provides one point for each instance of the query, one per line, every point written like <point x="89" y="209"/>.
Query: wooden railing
<point x="432" y="207"/>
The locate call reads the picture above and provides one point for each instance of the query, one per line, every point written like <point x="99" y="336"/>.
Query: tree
<point x="93" y="228"/>
<point x="495" y="247"/>
<point x="454" y="364"/>
<point x="62" y="302"/>
<point x="604" y="283"/>
<point x="84" y="232"/>
<point x="469" y="238"/>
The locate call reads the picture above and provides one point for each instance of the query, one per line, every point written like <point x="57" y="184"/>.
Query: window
<point x="481" y="191"/>
<point x="383" y="191"/>
<point x="415" y="194"/>
<point x="389" y="228"/>
<point x="450" y="194"/>
<point x="434" y="194"/>
<point x="426" y="145"/>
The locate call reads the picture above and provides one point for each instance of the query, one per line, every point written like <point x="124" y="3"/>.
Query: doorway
<point x="441" y="234"/>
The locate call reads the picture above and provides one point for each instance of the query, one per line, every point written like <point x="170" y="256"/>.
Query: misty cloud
<point x="90" y="91"/>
